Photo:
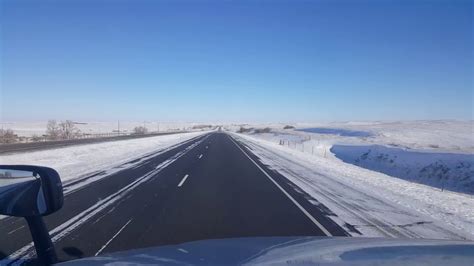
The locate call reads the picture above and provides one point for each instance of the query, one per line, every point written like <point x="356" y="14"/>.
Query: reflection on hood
<point x="297" y="250"/>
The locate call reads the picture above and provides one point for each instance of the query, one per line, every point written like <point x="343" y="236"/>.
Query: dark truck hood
<point x="296" y="250"/>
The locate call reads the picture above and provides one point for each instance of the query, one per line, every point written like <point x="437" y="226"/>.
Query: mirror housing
<point x="32" y="192"/>
<point x="27" y="190"/>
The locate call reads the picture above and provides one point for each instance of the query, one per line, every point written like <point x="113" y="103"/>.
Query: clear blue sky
<point x="236" y="60"/>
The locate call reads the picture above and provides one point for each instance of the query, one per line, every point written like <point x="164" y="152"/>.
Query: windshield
<point x="178" y="121"/>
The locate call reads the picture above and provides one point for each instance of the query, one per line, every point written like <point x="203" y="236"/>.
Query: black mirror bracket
<point x="43" y="244"/>
<point x="40" y="193"/>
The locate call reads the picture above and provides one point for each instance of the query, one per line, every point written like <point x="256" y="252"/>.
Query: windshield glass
<point x="178" y="121"/>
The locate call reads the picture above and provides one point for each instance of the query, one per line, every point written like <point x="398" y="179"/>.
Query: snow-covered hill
<point x="448" y="171"/>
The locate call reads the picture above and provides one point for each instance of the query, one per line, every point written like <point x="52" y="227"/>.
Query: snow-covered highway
<point x="210" y="186"/>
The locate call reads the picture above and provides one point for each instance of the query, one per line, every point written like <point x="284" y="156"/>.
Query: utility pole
<point x="118" y="127"/>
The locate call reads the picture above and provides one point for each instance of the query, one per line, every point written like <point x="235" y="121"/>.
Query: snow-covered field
<point x="436" y="135"/>
<point x="28" y="129"/>
<point x="370" y="202"/>
<point x="75" y="161"/>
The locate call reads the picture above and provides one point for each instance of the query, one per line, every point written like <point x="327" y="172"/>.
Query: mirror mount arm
<point x="43" y="244"/>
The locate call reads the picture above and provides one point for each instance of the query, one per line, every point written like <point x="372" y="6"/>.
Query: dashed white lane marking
<point x="182" y="181"/>
<point x="207" y="147"/>
<point x="13" y="231"/>
<point x="200" y="156"/>
<point x="320" y="226"/>
<point x="183" y="250"/>
<point x="110" y="240"/>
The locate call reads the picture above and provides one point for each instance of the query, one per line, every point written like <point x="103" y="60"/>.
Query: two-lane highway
<point x="207" y="188"/>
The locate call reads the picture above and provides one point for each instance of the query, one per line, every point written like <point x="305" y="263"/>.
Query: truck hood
<point x="296" y="250"/>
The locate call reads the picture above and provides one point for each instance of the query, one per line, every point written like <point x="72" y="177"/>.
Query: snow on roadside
<point x="75" y="161"/>
<point x="374" y="203"/>
<point x="439" y="153"/>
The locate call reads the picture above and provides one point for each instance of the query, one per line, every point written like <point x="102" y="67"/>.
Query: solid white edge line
<point x="320" y="226"/>
<point x="182" y="181"/>
<point x="110" y="240"/>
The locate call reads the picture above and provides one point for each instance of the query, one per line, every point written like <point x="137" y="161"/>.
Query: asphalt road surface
<point x="206" y="188"/>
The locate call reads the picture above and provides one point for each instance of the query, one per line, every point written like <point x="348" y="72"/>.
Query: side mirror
<point x="29" y="190"/>
<point x="32" y="192"/>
